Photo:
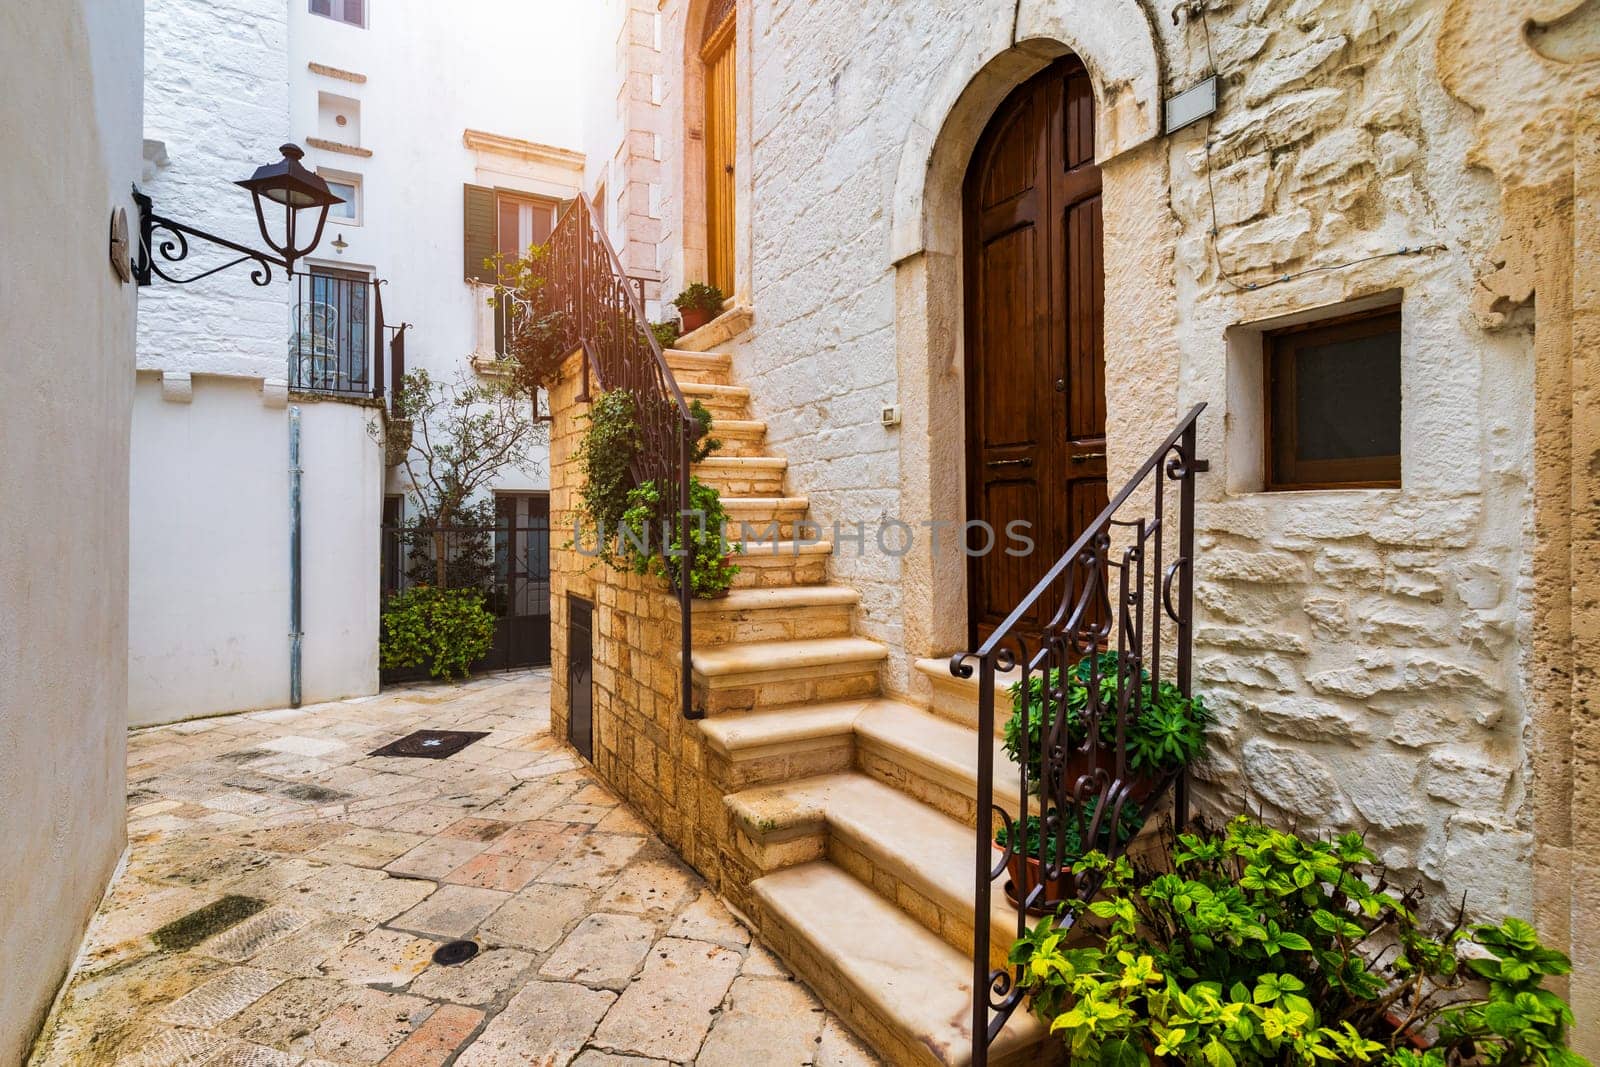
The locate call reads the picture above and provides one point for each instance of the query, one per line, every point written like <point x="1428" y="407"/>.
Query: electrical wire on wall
<point x="1199" y="8"/>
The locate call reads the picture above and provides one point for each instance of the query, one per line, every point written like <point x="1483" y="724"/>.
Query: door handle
<point x="1084" y="457"/>
<point x="1024" y="462"/>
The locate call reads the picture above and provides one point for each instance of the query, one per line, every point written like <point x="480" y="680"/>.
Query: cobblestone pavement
<point x="284" y="894"/>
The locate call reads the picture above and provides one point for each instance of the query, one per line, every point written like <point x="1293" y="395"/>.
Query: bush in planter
<point x="1168" y="733"/>
<point x="698" y="304"/>
<point x="1257" y="947"/>
<point x="444" y="630"/>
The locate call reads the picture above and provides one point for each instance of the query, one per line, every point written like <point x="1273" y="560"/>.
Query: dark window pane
<point x="353" y="13"/>
<point x="1347" y="398"/>
<point x="322" y="7"/>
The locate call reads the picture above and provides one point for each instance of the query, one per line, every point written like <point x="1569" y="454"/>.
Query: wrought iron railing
<point x="336" y="335"/>
<point x="1127" y="579"/>
<point x="586" y="283"/>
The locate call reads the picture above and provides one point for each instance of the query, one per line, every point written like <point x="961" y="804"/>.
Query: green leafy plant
<point x="535" y="334"/>
<point x="637" y="527"/>
<point x="1256" y="947"/>
<point x="1063" y="844"/>
<point x="1167" y="733"/>
<point x="700" y="295"/>
<point x="444" y="630"/>
<point x="650" y="511"/>
<point x="704" y="443"/>
<point x="666" y="333"/>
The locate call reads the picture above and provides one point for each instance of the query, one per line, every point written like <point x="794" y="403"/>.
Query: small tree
<point x="464" y="433"/>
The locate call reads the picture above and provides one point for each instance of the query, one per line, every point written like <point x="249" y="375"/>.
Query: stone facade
<point x="1406" y="662"/>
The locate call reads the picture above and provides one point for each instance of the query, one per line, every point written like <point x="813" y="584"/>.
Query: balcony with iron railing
<point x="336" y="335"/>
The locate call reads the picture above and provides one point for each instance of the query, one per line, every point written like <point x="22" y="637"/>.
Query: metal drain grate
<point x="430" y="744"/>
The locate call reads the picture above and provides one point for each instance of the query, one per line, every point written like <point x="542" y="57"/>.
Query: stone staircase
<point x="855" y="810"/>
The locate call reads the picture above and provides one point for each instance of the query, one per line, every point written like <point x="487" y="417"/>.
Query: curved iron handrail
<point x="586" y="281"/>
<point x="1108" y="603"/>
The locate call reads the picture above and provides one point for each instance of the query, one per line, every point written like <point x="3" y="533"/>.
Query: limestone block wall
<point x="643" y="747"/>
<point x="1364" y="648"/>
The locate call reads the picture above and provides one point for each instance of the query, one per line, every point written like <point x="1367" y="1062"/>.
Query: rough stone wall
<point x="1363" y="647"/>
<point x="643" y="747"/>
<point x="217" y="95"/>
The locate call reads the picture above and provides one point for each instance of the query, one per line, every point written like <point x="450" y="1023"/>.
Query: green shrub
<point x="1167" y="734"/>
<point x="444" y="630"/>
<point x="1065" y="844"/>
<point x="666" y="333"/>
<point x="606" y="457"/>
<point x="713" y="572"/>
<point x="1259" y="948"/>
<point x="700" y="295"/>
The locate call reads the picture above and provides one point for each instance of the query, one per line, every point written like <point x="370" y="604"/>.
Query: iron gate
<point x="508" y="559"/>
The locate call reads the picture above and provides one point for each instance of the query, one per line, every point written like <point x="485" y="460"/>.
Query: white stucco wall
<point x="1363" y="646"/>
<point x="432" y="72"/>
<point x="69" y="109"/>
<point x="210" y="572"/>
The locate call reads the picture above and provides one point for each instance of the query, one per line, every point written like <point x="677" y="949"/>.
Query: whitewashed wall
<point x="1362" y="646"/>
<point x="432" y="72"/>
<point x="69" y="109"/>
<point x="210" y="551"/>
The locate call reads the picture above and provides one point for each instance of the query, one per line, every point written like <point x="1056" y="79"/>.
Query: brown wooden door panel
<point x="721" y="111"/>
<point x="1034" y="336"/>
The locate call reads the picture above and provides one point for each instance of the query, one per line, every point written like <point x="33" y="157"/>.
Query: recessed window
<point x="1333" y="403"/>
<point x="351" y="12"/>
<point x="523" y="222"/>
<point x="348" y="188"/>
<point x="339" y="119"/>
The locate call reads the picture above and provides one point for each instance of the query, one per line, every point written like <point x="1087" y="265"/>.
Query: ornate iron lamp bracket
<point x="173" y="247"/>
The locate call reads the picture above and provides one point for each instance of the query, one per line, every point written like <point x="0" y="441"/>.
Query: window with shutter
<point x="479" y="230"/>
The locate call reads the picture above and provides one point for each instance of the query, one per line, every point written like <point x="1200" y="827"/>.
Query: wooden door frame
<point x="1054" y="500"/>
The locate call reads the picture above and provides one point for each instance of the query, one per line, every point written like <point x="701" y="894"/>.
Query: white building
<point x="444" y="157"/>
<point x="69" y="105"/>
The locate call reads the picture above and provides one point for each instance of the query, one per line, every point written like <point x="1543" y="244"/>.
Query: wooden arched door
<point x="1035" y="357"/>
<point x="718" y="55"/>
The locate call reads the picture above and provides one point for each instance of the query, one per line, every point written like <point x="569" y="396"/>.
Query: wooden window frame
<point x="504" y="196"/>
<point x="1279" y="347"/>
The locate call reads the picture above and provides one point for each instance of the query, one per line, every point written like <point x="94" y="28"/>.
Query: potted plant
<point x="1056" y="840"/>
<point x="1254" y="947"/>
<point x="698" y="305"/>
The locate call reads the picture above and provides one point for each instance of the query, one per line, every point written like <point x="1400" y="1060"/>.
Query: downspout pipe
<point x="295" y="634"/>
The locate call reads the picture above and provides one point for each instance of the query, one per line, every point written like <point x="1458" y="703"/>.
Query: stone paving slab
<point x="598" y="946"/>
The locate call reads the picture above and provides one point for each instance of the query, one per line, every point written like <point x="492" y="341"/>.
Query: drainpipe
<point x="294" y="557"/>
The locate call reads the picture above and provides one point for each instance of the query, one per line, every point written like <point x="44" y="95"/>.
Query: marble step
<point x="782" y="744"/>
<point x="723" y="401"/>
<point x="778" y="614"/>
<point x="748" y="476"/>
<point x="766" y="674"/>
<point x="956" y="699"/>
<point x="895" y="982"/>
<point x="932" y="758"/>
<point x="912" y="855"/>
<point x="705" y="368"/>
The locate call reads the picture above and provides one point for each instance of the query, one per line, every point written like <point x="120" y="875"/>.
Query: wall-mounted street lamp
<point x="286" y="183"/>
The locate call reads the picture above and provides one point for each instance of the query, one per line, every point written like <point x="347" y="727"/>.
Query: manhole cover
<point x="454" y="952"/>
<point x="429" y="744"/>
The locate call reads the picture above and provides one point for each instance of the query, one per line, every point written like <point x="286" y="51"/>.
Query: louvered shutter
<point x="478" y="243"/>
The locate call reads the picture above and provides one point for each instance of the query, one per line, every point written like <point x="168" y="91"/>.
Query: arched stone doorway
<point x="1035" y="356"/>
<point x="1112" y="39"/>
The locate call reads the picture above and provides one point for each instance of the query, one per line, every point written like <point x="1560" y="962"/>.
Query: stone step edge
<point x="905" y="1013"/>
<point x="731" y="666"/>
<point x="747" y="735"/>
<point x="781" y="598"/>
<point x="927" y="749"/>
<point x="758" y="462"/>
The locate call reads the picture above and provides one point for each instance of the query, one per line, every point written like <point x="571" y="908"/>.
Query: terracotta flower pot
<point x="692" y="318"/>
